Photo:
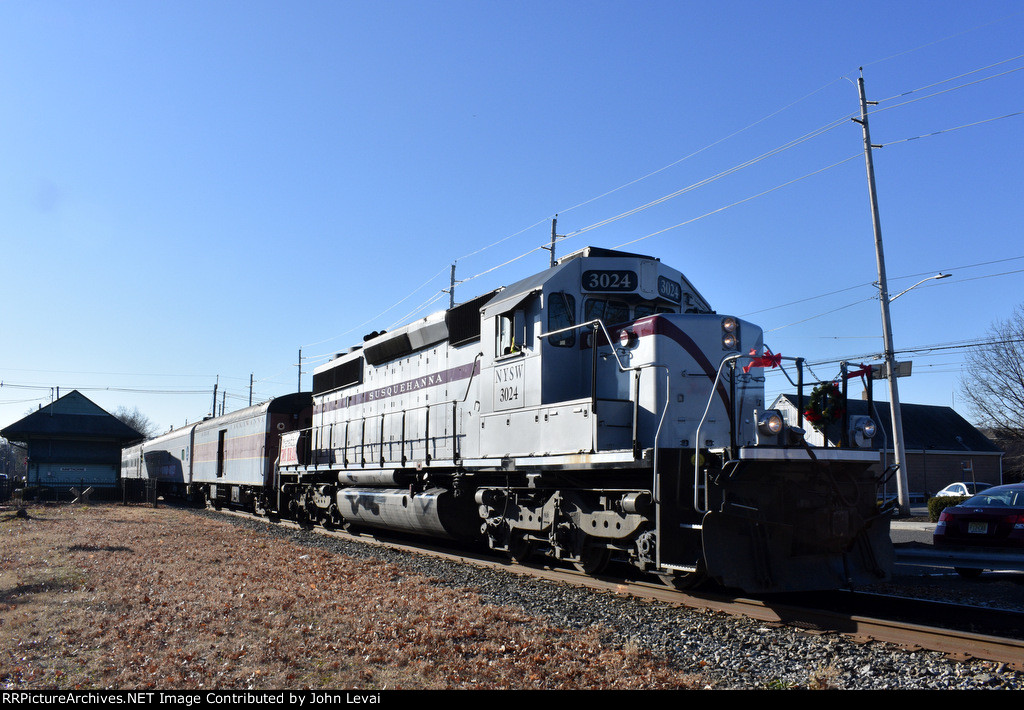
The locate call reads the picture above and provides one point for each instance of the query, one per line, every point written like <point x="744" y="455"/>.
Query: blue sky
<point x="190" y="192"/>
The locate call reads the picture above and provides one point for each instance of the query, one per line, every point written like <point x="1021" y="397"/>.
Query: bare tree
<point x="12" y="458"/>
<point x="137" y="421"/>
<point x="993" y="386"/>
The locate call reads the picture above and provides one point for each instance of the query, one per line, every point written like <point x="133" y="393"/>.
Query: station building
<point x="72" y="443"/>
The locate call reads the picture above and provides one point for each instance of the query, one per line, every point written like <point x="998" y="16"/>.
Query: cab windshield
<point x="649" y="309"/>
<point x="610" y="312"/>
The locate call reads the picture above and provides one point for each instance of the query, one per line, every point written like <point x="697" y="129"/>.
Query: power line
<point x="793" y="143"/>
<point x="706" y="181"/>
<point x="821" y="315"/>
<point x="952" y="78"/>
<point x="386" y="310"/>
<point x="739" y="202"/>
<point x="701" y="150"/>
<point x="944" y="91"/>
<point x="961" y="345"/>
<point x="956" y="128"/>
<point x="959" y="280"/>
<point x="944" y="39"/>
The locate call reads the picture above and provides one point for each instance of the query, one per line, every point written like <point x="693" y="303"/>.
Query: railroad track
<point x="861" y="617"/>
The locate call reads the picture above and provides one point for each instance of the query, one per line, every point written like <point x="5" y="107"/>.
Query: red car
<point x="992" y="518"/>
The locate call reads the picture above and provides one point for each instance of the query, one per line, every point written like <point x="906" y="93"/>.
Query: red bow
<point x="766" y="360"/>
<point x="864" y="370"/>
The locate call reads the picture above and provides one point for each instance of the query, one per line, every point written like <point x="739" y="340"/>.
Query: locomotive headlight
<point x="868" y="428"/>
<point x="770" y="422"/>
<point x="862" y="429"/>
<point x="771" y="428"/>
<point x="730" y="333"/>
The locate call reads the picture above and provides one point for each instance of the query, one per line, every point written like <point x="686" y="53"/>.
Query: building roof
<point x="72" y="416"/>
<point x="925" y="426"/>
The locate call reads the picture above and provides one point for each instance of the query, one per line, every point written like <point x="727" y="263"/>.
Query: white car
<point x="963" y="488"/>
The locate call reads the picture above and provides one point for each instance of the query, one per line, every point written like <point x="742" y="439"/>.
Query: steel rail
<point x="957" y="645"/>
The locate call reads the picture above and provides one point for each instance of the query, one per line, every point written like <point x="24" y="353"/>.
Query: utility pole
<point x="554" y="236"/>
<point x="250" y="389"/>
<point x="451" y="289"/>
<point x="300" y="371"/>
<point x="883" y="295"/>
<point x="213" y="411"/>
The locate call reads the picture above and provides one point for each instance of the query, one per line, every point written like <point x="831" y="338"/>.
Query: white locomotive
<point x="598" y="410"/>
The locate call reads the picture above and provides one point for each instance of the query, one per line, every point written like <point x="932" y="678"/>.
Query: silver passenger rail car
<point x="235" y="455"/>
<point x="131" y="463"/>
<point x="167" y="462"/>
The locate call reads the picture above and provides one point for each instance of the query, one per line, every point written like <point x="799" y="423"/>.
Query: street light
<point x="899" y="451"/>
<point x="930" y="278"/>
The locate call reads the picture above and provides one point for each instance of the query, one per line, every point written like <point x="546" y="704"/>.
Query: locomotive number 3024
<point x="609" y="280"/>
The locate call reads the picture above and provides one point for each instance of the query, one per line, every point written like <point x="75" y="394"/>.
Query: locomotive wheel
<point x="593" y="560"/>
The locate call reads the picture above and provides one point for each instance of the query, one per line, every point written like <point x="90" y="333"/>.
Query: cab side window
<point x="504" y="335"/>
<point x="561" y="314"/>
<point x="510" y="333"/>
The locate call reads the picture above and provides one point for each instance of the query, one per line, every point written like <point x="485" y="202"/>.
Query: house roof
<point x="925" y="426"/>
<point x="72" y="416"/>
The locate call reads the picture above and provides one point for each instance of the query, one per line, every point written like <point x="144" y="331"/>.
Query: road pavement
<point x="902" y="531"/>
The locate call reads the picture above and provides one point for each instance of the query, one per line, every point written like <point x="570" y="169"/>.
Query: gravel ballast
<point x="130" y="598"/>
<point x="729" y="652"/>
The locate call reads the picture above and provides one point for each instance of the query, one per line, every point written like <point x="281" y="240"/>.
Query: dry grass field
<point x="131" y="598"/>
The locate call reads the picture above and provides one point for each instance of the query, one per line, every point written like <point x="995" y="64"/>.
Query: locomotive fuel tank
<point x="435" y="512"/>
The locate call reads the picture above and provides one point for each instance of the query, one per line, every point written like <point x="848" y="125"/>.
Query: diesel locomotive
<point x="600" y="410"/>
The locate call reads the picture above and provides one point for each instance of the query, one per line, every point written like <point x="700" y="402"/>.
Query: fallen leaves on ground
<point x="128" y="597"/>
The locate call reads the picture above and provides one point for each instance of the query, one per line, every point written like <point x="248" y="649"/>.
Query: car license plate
<point x="977" y="528"/>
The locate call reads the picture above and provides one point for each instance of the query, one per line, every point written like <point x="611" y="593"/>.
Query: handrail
<point x="730" y="358"/>
<point x="696" y="437"/>
<point x="622" y="368"/>
<point x="383" y="415"/>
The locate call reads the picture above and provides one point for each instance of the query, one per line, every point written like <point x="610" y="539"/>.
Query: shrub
<point x="937" y="505"/>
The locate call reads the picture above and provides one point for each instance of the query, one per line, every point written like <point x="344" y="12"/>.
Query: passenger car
<point x="993" y="518"/>
<point x="962" y="488"/>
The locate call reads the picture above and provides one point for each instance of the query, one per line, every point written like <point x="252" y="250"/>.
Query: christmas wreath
<point x="826" y="405"/>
